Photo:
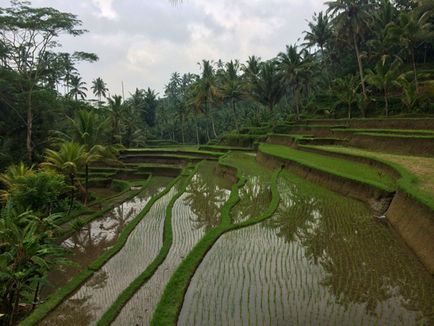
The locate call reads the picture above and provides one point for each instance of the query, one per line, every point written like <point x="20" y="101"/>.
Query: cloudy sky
<point x="141" y="42"/>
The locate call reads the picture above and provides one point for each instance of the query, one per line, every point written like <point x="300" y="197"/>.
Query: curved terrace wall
<point x="413" y="220"/>
<point x="378" y="199"/>
<point x="415" y="224"/>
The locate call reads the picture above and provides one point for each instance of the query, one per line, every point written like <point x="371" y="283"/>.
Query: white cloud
<point x="105" y="9"/>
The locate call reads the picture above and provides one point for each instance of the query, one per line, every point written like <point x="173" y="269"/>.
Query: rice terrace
<point x="291" y="186"/>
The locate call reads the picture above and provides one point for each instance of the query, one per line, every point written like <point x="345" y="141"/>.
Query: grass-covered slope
<point x="351" y="170"/>
<point x="417" y="173"/>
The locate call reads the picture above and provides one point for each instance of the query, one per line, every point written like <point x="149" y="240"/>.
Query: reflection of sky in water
<point x="107" y="228"/>
<point x="322" y="259"/>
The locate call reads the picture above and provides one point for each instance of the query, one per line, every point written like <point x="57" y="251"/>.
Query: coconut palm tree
<point x="268" y="88"/>
<point x="383" y="77"/>
<point x="116" y="110"/>
<point x="78" y="88"/>
<point x="411" y="31"/>
<point x="68" y="160"/>
<point x="349" y="19"/>
<point x="231" y="87"/>
<point x="320" y="32"/>
<point x="345" y="90"/>
<point x="99" y="88"/>
<point x="296" y="67"/>
<point x="206" y="92"/>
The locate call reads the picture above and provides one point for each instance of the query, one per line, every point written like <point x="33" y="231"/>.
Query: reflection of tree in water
<point x="98" y="280"/>
<point x="254" y="198"/>
<point x="71" y="312"/>
<point x="363" y="261"/>
<point x="205" y="197"/>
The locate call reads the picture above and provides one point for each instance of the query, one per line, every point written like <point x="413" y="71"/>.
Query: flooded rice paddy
<point x="322" y="259"/>
<point x="91" y="240"/>
<point x="196" y="211"/>
<point x="88" y="303"/>
<point x="255" y="195"/>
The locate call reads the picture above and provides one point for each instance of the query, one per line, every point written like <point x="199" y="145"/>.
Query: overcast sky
<point x="142" y="42"/>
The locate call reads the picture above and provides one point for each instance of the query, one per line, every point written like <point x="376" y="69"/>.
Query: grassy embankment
<point x="171" y="301"/>
<point x="57" y="297"/>
<point x="417" y="173"/>
<point x="355" y="171"/>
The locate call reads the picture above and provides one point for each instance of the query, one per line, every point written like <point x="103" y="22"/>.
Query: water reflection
<point x="363" y="261"/>
<point x="91" y="240"/>
<point x="205" y="195"/>
<point x="322" y="259"/>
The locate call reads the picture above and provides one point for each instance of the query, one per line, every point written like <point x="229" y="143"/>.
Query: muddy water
<point x="197" y="210"/>
<point x="322" y="259"/>
<point x="87" y="304"/>
<point x="88" y="243"/>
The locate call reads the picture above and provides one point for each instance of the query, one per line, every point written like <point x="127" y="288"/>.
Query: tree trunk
<point x="35" y="297"/>
<point x="235" y="114"/>
<point x="297" y="106"/>
<point x="14" y="307"/>
<point x="359" y="62"/>
<point x="213" y="126"/>
<point x="87" y="185"/>
<point x="197" y="133"/>
<point x="414" y="70"/>
<point x="182" y="129"/>
<point x="386" y="106"/>
<point x="29" y="144"/>
<point x="72" y="195"/>
<point x="349" y="110"/>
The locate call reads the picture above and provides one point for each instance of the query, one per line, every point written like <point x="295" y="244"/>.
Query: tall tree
<point x="320" y="32"/>
<point x="78" y="88"/>
<point x="383" y="77"/>
<point x="99" y="88"/>
<point x="26" y="35"/>
<point x="232" y="87"/>
<point x="349" y="19"/>
<point x="268" y="88"/>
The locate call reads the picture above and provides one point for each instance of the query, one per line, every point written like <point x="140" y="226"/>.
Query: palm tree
<point x="116" y="110"/>
<point x="268" y="88"/>
<point x="206" y="92"/>
<point x="349" y="16"/>
<point x="411" y="31"/>
<point x="99" y="88"/>
<point x="231" y="86"/>
<point x="68" y="160"/>
<point x="320" y="32"/>
<point x="296" y="72"/>
<point x="409" y="96"/>
<point x="78" y="88"/>
<point x="29" y="252"/>
<point x="383" y="77"/>
<point x="345" y="89"/>
<point x="12" y="176"/>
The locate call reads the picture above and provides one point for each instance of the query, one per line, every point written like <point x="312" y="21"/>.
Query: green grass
<point x="185" y="151"/>
<point x="225" y="148"/>
<point x="375" y="134"/>
<point x="351" y="170"/>
<point x="408" y="182"/>
<point x="110" y="315"/>
<point x="57" y="297"/>
<point x="171" y="301"/>
<point x="388" y="131"/>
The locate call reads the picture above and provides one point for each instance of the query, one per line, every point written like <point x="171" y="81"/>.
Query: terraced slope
<point x="351" y="170"/>
<point x="421" y="167"/>
<point x="321" y="259"/>
<point x="194" y="213"/>
<point x="93" y="297"/>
